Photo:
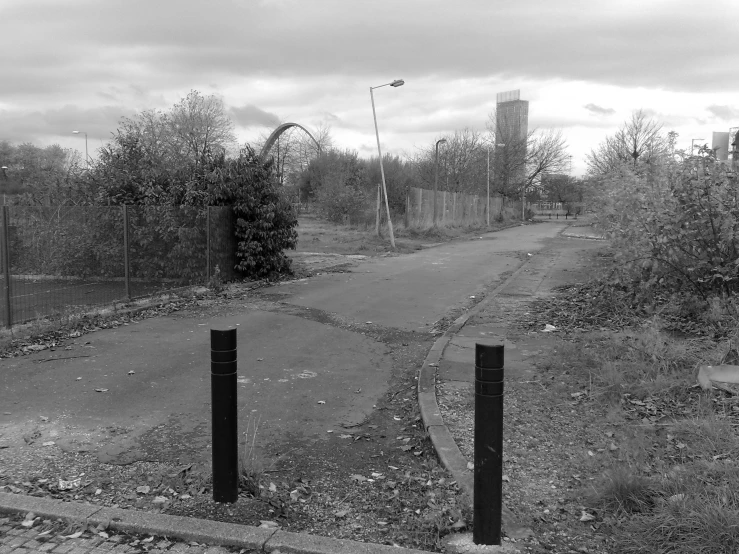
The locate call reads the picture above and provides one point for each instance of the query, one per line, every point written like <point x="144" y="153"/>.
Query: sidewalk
<point x="451" y="361"/>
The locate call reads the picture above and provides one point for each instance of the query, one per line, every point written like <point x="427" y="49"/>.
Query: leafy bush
<point x="265" y="220"/>
<point x="675" y="230"/>
<point x="345" y="204"/>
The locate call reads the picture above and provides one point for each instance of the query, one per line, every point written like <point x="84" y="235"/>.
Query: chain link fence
<point x="67" y="259"/>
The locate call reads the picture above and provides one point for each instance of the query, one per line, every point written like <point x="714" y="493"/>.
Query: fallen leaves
<point x="586" y="516"/>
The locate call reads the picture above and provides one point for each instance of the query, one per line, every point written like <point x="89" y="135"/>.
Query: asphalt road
<point x="313" y="354"/>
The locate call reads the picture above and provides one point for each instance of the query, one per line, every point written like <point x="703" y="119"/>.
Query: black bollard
<point x="488" y="486"/>
<point x="224" y="414"/>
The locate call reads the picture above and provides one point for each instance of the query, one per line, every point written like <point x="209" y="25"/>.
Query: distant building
<point x="720" y="145"/>
<point x="512" y="129"/>
<point x="726" y="144"/>
<point x="512" y="115"/>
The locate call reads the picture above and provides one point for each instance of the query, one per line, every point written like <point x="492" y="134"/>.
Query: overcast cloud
<point x="583" y="65"/>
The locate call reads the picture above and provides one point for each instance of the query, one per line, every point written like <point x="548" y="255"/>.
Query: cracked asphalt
<point x="313" y="355"/>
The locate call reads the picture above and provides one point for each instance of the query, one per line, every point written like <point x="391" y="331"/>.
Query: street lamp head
<point x="440" y="141"/>
<point x="75" y="132"/>
<point x="397" y="83"/>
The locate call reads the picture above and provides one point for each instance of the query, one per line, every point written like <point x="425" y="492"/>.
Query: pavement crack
<point x="380" y="333"/>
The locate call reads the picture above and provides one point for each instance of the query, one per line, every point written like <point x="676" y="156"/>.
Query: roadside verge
<point x="255" y="539"/>
<point x="446" y="448"/>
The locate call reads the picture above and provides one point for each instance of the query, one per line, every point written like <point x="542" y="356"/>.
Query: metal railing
<point x="66" y="259"/>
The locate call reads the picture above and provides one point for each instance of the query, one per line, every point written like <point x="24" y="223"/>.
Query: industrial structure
<point x="726" y="144"/>
<point x="511" y="132"/>
<point x="512" y="116"/>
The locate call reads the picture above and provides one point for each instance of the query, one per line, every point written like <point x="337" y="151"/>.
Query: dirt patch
<point x="318" y="236"/>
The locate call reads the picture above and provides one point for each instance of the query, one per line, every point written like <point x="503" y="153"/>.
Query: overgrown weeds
<point x="623" y="492"/>
<point x="251" y="465"/>
<point x="672" y="486"/>
<point x="692" y="510"/>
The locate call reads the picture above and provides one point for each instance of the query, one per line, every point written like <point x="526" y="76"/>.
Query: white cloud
<point x="583" y="66"/>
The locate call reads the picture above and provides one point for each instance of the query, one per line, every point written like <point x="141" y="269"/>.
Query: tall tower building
<point x="512" y="116"/>
<point x="511" y="130"/>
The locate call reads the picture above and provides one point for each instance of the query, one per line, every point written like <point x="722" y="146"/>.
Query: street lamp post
<point x="436" y="176"/>
<point x="87" y="158"/>
<point x="396" y="83"/>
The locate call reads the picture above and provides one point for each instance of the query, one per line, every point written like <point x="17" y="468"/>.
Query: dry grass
<point x="251" y="464"/>
<point x="318" y="235"/>
<point x="673" y="487"/>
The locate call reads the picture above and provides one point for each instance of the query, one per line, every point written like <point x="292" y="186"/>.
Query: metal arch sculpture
<point x="276" y="134"/>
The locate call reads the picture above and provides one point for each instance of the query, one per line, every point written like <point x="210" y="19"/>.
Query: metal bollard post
<point x="488" y="475"/>
<point x="224" y="413"/>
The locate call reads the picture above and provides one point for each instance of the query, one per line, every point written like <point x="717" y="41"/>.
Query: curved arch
<point x="276" y="134"/>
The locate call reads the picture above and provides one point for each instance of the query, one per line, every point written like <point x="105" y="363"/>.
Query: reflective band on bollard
<point x="488" y="486"/>
<point x="225" y="415"/>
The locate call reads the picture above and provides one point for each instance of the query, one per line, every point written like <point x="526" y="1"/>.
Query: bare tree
<point x="462" y="162"/>
<point x="521" y="160"/>
<point x="546" y="153"/>
<point x="638" y="144"/>
<point x="199" y="125"/>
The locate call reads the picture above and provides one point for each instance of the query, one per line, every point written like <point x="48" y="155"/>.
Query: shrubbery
<point x="265" y="220"/>
<point x="344" y="204"/>
<point x="675" y="230"/>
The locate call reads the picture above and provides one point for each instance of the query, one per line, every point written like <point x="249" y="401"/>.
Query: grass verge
<point x="672" y="480"/>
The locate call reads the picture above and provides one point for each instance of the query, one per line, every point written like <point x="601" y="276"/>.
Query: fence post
<point x="5" y="249"/>
<point x="224" y="413"/>
<point x="488" y="446"/>
<point x="207" y="244"/>
<point x="126" y="260"/>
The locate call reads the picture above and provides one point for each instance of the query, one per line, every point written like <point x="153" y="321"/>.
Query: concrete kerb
<point x="446" y="448"/>
<point x="190" y="529"/>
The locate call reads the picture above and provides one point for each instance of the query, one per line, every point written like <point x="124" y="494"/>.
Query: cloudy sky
<point x="584" y="65"/>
